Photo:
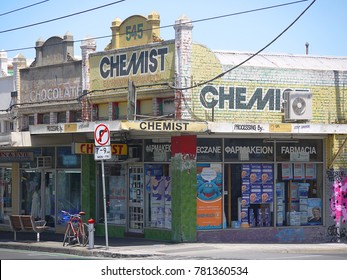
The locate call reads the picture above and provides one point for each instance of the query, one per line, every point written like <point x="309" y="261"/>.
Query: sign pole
<point x="105" y="209"/>
<point x="103" y="151"/>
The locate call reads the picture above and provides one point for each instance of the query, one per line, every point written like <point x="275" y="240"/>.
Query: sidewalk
<point x="137" y="248"/>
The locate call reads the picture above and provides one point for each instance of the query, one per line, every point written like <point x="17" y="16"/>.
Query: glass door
<point x="136" y="201"/>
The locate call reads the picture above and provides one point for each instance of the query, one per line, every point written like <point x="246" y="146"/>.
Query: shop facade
<point x="266" y="119"/>
<point x="9" y="75"/>
<point x="245" y="157"/>
<point x="43" y="176"/>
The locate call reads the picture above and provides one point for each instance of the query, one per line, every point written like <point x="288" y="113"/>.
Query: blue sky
<point x="323" y="26"/>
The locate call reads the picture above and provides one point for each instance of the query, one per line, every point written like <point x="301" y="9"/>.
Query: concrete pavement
<point x="136" y="248"/>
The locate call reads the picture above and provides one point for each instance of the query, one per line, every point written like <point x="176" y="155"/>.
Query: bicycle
<point x="76" y="231"/>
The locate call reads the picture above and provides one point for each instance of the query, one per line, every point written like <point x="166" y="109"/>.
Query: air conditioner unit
<point x="44" y="162"/>
<point x="298" y="106"/>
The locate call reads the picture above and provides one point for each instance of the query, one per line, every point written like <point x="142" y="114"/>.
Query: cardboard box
<point x="267" y="196"/>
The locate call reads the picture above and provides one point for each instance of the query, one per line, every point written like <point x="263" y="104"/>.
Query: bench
<point x="27" y="223"/>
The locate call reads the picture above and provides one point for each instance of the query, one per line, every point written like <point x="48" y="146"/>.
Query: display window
<point x="5" y="194"/>
<point x="265" y="184"/>
<point x="65" y="158"/>
<point x="249" y="195"/>
<point x="299" y="194"/>
<point x="31" y="193"/>
<point x="69" y="194"/>
<point x="158" y="196"/>
<point x="116" y="193"/>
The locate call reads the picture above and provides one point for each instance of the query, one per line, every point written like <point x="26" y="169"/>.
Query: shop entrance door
<point x="136" y="201"/>
<point x="232" y="193"/>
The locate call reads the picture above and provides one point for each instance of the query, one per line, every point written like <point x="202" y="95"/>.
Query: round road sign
<point x="102" y="135"/>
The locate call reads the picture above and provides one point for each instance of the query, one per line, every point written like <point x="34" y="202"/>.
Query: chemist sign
<point x="102" y="135"/>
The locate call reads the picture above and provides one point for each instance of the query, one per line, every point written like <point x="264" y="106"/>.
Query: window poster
<point x="310" y="171"/>
<point x="257" y="189"/>
<point x="158" y="188"/>
<point x="117" y="195"/>
<point x="299" y="171"/>
<point x="287" y="171"/>
<point x="314" y="211"/>
<point x="209" y="196"/>
<point x="157" y="201"/>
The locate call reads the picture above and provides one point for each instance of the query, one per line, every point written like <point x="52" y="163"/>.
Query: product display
<point x="257" y="195"/>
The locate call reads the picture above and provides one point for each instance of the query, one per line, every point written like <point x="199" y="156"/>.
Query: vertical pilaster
<point x="183" y="68"/>
<point x="19" y="62"/>
<point x="88" y="46"/>
<point x="183" y="166"/>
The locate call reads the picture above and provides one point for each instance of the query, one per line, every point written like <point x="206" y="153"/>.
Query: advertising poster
<point x="314" y="211"/>
<point x="310" y="171"/>
<point x="117" y="195"/>
<point x="158" y="201"/>
<point x="209" y="196"/>
<point x="299" y="171"/>
<point x="287" y="171"/>
<point x="158" y="189"/>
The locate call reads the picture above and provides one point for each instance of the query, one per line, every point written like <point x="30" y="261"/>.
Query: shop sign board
<point x="16" y="156"/>
<point x="89" y="148"/>
<point x="164" y="126"/>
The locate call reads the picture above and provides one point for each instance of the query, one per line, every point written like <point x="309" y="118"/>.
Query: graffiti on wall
<point x="338" y="198"/>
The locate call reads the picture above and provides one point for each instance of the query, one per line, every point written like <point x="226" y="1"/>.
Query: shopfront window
<point x="248" y="183"/>
<point x="5" y="194"/>
<point x="249" y="195"/>
<point x="31" y="193"/>
<point x="115" y="188"/>
<point x="65" y="158"/>
<point x="265" y="184"/>
<point x="299" y="186"/>
<point x="68" y="194"/>
<point x="158" y="195"/>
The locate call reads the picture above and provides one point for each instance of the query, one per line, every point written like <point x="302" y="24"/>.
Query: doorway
<point x="136" y="199"/>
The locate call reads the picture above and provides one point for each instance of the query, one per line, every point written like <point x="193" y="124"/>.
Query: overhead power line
<point x="22" y="8"/>
<point x="216" y="77"/>
<point x="172" y="25"/>
<point x="249" y="58"/>
<point x="59" y="18"/>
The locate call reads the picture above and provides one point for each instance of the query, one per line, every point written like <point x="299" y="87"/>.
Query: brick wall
<point x="328" y="89"/>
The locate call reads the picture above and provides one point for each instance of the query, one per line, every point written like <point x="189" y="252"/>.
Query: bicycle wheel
<point x="82" y="234"/>
<point x="69" y="235"/>
<point x="86" y="235"/>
